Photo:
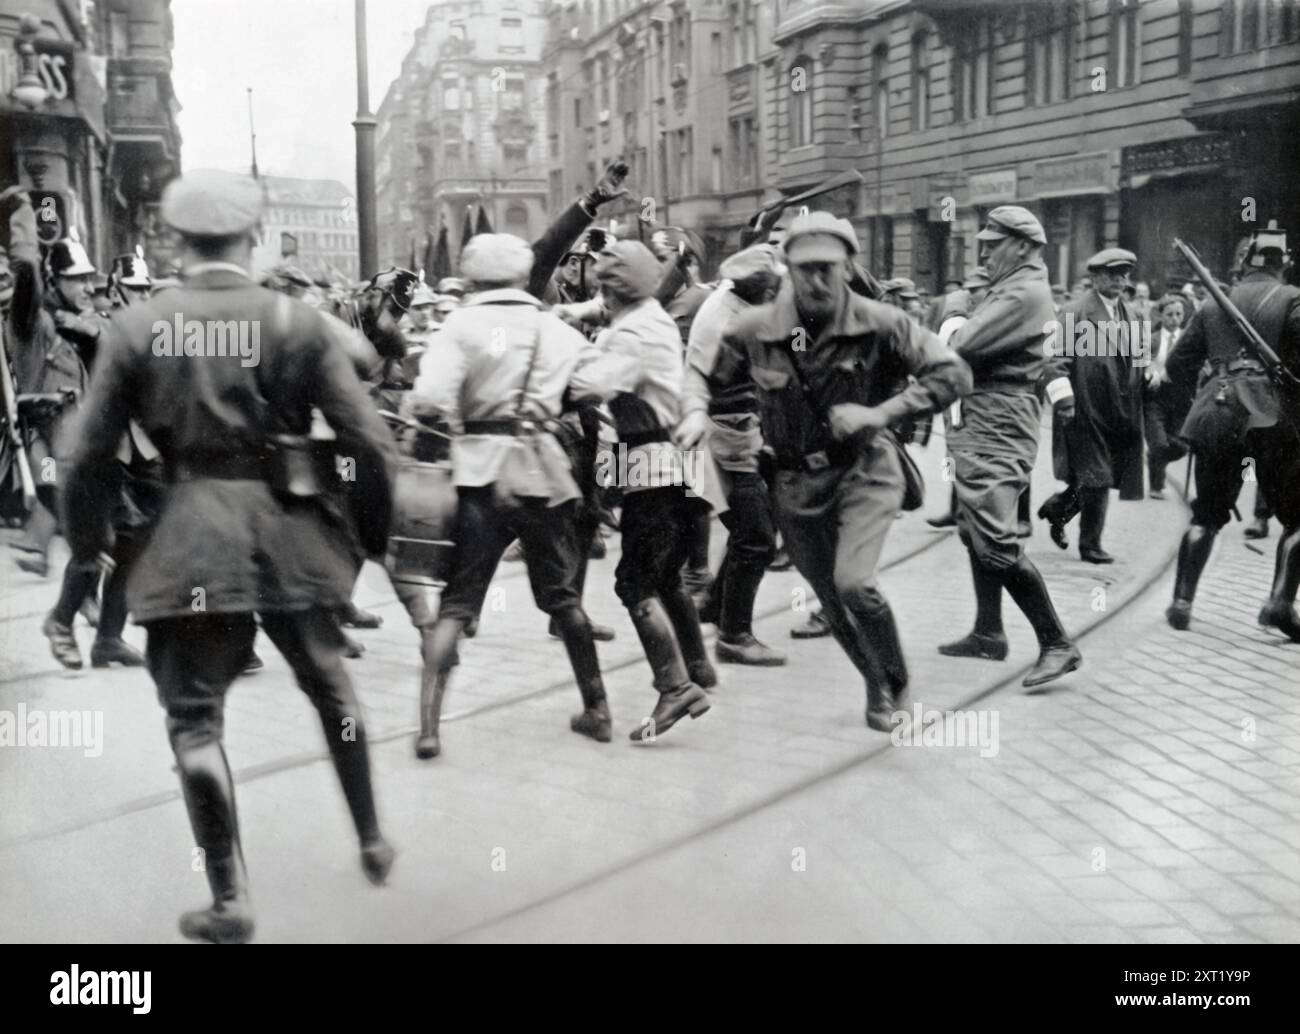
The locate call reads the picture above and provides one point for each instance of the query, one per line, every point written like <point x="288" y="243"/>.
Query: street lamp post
<point x="365" y="127"/>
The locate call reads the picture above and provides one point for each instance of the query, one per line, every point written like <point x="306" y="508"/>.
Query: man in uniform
<point x="507" y="367"/>
<point x="242" y="531"/>
<point x="729" y="421"/>
<point x="996" y="445"/>
<point x="639" y="373"/>
<point x="1101" y="447"/>
<point x="129" y="280"/>
<point x="1239" y="414"/>
<point x="832" y="369"/>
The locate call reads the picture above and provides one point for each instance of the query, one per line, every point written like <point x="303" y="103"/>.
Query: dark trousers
<point x="80" y="580"/>
<point x="193" y="661"/>
<point x="656" y="526"/>
<point x="1163" y="447"/>
<point x="485" y="527"/>
<point x="751" y="546"/>
<point x="1275" y="457"/>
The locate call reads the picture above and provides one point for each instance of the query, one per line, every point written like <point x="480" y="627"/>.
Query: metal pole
<point x="252" y="133"/>
<point x="365" y="128"/>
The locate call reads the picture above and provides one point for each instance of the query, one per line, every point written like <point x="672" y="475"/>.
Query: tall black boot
<point x="1092" y="520"/>
<point x="736" y="642"/>
<point x="988" y="640"/>
<point x="578" y="642"/>
<point x="1193" y="554"/>
<point x="345" y="734"/>
<point x="1059" y="510"/>
<point x="438" y="646"/>
<point x="680" y="608"/>
<point x="209" y="793"/>
<point x="678" y="695"/>
<point x="886" y="667"/>
<point x="1057" y="656"/>
<point x="587" y="534"/>
<point x="109" y="646"/>
<point x="1279" y="612"/>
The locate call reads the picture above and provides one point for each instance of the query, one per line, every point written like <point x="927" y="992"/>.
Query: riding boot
<point x="988" y="640"/>
<point x="736" y="642"/>
<point x="594" y="721"/>
<point x="690" y="638"/>
<point x="438" y="645"/>
<point x="1279" y="612"/>
<point x="886" y="673"/>
<point x="1057" y="656"/>
<point x="1193" y="554"/>
<point x="209" y="793"/>
<point x="345" y="735"/>
<point x="678" y="695"/>
<point x="1092" y="520"/>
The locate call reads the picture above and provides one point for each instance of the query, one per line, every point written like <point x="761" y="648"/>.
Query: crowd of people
<point x="594" y="381"/>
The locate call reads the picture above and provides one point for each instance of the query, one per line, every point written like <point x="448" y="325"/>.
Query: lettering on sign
<point x="992" y="187"/>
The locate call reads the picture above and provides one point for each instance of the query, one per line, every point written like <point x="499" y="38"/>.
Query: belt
<point x="634" y="438"/>
<point x="504" y="427"/>
<point x="1222" y="369"/>
<point x="234" y="467"/>
<point x="838" y="454"/>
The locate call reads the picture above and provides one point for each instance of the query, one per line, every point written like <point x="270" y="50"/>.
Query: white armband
<point x="1059" y="389"/>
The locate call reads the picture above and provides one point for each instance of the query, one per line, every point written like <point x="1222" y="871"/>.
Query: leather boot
<point x="114" y="651"/>
<point x="90" y="610"/>
<point x="1058" y="511"/>
<point x="1257" y="529"/>
<point x="678" y="696"/>
<point x="988" y="640"/>
<point x="345" y="735"/>
<point x="1193" y="554"/>
<point x="438" y="646"/>
<point x="816" y="627"/>
<point x="600" y="633"/>
<point x="1057" y="656"/>
<point x="579" y="643"/>
<point x="63" y="644"/>
<point x="690" y="638"/>
<point x="886" y="674"/>
<point x="209" y="793"/>
<point x="736" y="643"/>
<point x="1092" y="520"/>
<point x="1279" y="612"/>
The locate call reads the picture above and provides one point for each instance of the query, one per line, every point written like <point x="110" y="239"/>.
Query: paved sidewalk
<point x="777" y="816"/>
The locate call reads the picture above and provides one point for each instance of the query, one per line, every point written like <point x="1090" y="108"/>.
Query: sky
<point x="299" y="56"/>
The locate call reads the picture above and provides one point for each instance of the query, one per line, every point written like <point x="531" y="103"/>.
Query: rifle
<point x="767" y="216"/>
<point x="1277" y="371"/>
<point x="14" y="433"/>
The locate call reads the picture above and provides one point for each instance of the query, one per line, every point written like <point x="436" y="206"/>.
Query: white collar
<point x="210" y="267"/>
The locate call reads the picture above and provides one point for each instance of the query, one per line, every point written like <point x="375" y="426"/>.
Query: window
<point x="679" y="43"/>
<point x="743" y="139"/>
<point x="1186" y="21"/>
<point x="512" y="96"/>
<point x="514" y="157"/>
<point x="799" y="87"/>
<point x="577" y="112"/>
<point x="880" y="96"/>
<point x="1250" y="24"/>
<point x="1125" y="42"/>
<point x="973" y="59"/>
<point x="715" y="170"/>
<point x="450" y="93"/>
<point x="678" y="157"/>
<point x="517" y="220"/>
<point x="715" y="52"/>
<point x="737" y="22"/>
<point x="553" y="102"/>
<point x="1049" y="53"/>
<point x="512" y="34"/>
<point x="922" y="102"/>
<point x="119" y="38"/>
<point x="604" y="85"/>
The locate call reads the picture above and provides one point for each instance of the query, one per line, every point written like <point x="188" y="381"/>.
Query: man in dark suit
<point x="223" y="376"/>
<point x="1103" y="352"/>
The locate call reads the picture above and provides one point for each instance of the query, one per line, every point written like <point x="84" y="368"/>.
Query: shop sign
<point x="991" y="188"/>
<point x="1074" y="174"/>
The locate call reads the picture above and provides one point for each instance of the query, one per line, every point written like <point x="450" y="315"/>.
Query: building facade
<point x="1118" y="122"/>
<point x="463" y="127"/>
<point x="98" y="130"/>
<point x="311" y="224"/>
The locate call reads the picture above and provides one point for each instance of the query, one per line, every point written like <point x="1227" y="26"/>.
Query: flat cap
<point x="977" y="277"/>
<point x="820" y="237"/>
<point x="1112" y="257"/>
<point x="423" y="295"/>
<point x="496" y="258"/>
<point x="1012" y="221"/>
<point x="212" y="203"/>
<point x="629" y="270"/>
<point x="451" y="285"/>
<point x="760" y="258"/>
